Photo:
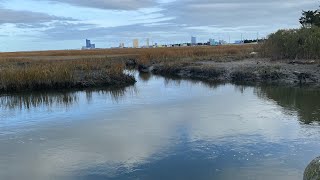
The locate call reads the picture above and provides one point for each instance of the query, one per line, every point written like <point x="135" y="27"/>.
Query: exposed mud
<point x="246" y="71"/>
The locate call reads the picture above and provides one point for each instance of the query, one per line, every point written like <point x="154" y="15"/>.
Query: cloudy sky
<point x="65" y="24"/>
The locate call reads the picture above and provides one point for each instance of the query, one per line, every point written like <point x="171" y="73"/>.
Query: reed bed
<point x="182" y="54"/>
<point x="39" y="70"/>
<point x="24" y="74"/>
<point x="177" y="52"/>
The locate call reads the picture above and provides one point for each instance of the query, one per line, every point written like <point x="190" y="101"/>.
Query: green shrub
<point x="301" y="43"/>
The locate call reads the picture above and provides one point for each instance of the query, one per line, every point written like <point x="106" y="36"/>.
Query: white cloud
<point x="110" y="4"/>
<point x="164" y="21"/>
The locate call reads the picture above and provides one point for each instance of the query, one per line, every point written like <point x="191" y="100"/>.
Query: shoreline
<point x="247" y="71"/>
<point x="72" y="70"/>
<point x="126" y="81"/>
<point x="28" y="75"/>
<point x="252" y="71"/>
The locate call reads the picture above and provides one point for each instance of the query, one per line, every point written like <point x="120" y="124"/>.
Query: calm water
<point x="160" y="129"/>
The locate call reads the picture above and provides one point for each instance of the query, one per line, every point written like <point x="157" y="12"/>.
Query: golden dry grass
<point x="75" y="68"/>
<point x="23" y="74"/>
<point x="194" y="53"/>
<point x="178" y="52"/>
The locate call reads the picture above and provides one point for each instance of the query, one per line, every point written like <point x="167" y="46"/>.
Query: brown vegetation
<point x="40" y="70"/>
<point x="24" y="74"/>
<point x="150" y="53"/>
<point x="157" y="55"/>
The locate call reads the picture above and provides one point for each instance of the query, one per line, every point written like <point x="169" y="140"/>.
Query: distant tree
<point x="247" y="41"/>
<point x="310" y="18"/>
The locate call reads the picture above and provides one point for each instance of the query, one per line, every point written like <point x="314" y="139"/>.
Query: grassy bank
<point x="44" y="70"/>
<point x="27" y="75"/>
<point x="40" y="70"/>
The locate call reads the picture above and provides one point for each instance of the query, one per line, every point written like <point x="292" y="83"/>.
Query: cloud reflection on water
<point x="207" y="130"/>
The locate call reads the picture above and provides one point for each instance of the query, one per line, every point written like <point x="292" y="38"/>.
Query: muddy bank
<point x="103" y="79"/>
<point x="249" y="71"/>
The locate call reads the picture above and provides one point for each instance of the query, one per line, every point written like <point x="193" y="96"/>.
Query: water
<point x="160" y="129"/>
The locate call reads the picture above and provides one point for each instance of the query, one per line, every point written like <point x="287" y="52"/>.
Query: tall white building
<point x="193" y="40"/>
<point x="148" y="42"/>
<point x="135" y="43"/>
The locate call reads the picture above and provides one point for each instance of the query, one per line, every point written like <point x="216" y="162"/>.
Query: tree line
<point x="301" y="43"/>
<point x="310" y="18"/>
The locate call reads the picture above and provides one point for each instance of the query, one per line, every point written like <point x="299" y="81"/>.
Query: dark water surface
<point x="160" y="129"/>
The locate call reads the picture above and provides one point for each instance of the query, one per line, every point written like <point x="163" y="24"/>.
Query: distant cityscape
<point x="89" y="45"/>
<point x="193" y="42"/>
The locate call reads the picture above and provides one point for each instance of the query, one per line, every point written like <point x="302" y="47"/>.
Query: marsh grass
<point x="40" y="70"/>
<point x="144" y="55"/>
<point x="194" y="53"/>
<point x="23" y="74"/>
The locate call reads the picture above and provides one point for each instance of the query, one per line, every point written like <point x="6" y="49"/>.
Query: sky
<point x="27" y="25"/>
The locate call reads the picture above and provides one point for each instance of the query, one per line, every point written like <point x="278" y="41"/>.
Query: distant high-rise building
<point x="222" y="42"/>
<point x="193" y="40"/>
<point x="212" y="42"/>
<point x="135" y="43"/>
<point x="88" y="43"/>
<point x="121" y="45"/>
<point x="148" y="42"/>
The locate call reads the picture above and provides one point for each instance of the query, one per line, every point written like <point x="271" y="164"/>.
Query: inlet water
<point x="161" y="128"/>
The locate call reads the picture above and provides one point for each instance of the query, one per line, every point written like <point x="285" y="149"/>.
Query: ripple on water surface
<point x="160" y="129"/>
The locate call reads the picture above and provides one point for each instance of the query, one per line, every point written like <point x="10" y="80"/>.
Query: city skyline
<point x="194" y="41"/>
<point x="63" y="24"/>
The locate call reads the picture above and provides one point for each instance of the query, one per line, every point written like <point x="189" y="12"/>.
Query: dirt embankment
<point x="246" y="71"/>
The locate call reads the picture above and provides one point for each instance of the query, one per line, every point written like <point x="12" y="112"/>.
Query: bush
<point x="301" y="43"/>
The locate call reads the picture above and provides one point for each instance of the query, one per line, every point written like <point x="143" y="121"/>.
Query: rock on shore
<point x="312" y="172"/>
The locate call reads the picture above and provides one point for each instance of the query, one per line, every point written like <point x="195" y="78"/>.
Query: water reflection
<point x="145" y="76"/>
<point x="36" y="99"/>
<point x="304" y="101"/>
<point x="116" y="94"/>
<point x="174" y="80"/>
<point x="62" y="98"/>
<point x="171" y="129"/>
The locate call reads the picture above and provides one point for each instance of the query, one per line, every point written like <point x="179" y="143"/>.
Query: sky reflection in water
<point x="160" y="129"/>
